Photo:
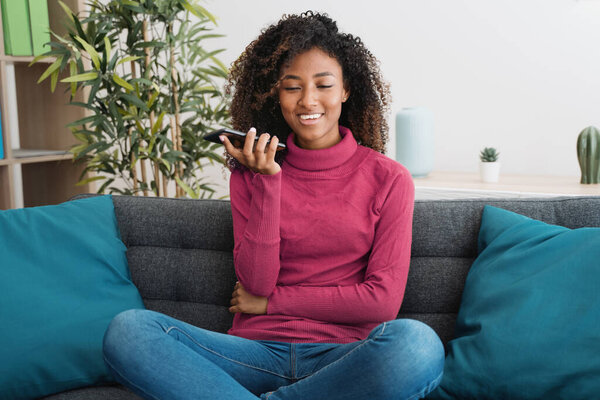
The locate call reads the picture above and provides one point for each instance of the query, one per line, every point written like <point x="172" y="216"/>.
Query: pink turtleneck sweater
<point x="327" y="239"/>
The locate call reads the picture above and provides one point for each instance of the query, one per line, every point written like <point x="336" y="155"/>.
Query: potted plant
<point x="489" y="166"/>
<point x="151" y="90"/>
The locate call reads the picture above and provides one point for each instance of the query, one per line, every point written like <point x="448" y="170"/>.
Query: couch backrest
<point x="445" y="245"/>
<point x="180" y="253"/>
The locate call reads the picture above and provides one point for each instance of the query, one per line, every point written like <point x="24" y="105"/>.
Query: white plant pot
<point x="489" y="171"/>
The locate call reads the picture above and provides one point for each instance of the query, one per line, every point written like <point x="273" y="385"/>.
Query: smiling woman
<point x="322" y="241"/>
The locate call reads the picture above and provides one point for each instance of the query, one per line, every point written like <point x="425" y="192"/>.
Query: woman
<point x="322" y="235"/>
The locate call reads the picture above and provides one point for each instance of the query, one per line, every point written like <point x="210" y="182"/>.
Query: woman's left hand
<point x="244" y="302"/>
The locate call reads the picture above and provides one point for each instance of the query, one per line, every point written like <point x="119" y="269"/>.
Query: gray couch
<point x="180" y="257"/>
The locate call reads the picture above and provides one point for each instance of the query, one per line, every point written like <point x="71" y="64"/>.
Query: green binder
<point x="15" y="23"/>
<point x="40" y="26"/>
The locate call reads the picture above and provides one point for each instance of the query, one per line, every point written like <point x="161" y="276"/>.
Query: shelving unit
<point x="37" y="168"/>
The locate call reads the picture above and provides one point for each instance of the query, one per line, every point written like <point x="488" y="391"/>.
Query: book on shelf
<point x="15" y="24"/>
<point x="40" y="26"/>
<point x="26" y="27"/>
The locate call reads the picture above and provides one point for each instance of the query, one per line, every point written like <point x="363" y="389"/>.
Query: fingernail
<point x="222" y="138"/>
<point x="253" y="129"/>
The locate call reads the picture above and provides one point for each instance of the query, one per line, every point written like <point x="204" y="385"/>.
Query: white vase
<point x="414" y="140"/>
<point x="489" y="171"/>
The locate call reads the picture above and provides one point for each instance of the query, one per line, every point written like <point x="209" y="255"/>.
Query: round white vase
<point x="489" y="171"/>
<point x="414" y="140"/>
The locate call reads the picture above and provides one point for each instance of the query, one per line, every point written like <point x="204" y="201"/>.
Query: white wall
<point x="519" y="75"/>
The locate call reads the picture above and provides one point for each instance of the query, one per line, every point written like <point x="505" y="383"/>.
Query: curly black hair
<point x="254" y="80"/>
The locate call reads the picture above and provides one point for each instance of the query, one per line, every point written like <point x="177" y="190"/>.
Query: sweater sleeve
<point x="379" y="296"/>
<point x="255" y="208"/>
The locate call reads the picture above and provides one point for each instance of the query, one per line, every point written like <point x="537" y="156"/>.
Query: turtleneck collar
<point x="321" y="159"/>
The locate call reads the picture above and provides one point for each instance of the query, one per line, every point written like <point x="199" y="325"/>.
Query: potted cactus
<point x="489" y="166"/>
<point x="588" y="154"/>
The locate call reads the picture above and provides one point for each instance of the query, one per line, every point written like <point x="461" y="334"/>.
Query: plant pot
<point x="489" y="171"/>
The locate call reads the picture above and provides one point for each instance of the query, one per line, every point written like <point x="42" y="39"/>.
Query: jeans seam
<point x="292" y="359"/>
<point x="221" y="355"/>
<point x="128" y="381"/>
<point x="420" y="393"/>
<point x="348" y="353"/>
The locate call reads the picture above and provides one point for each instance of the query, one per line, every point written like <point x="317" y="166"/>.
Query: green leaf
<point x="53" y="79"/>
<point x="151" y="144"/>
<point x="88" y="180"/>
<point x="66" y="9"/>
<point x="208" y="36"/>
<point x="38" y="58"/>
<point x="76" y="149"/>
<point x="73" y="71"/>
<point x="158" y="123"/>
<point x="128" y="58"/>
<point x="91" y="147"/>
<point x="139" y="126"/>
<point x="83" y="121"/>
<point x="165" y="163"/>
<point x="153" y="43"/>
<point x="220" y="64"/>
<point x="91" y="51"/>
<point x="104" y="185"/>
<point x="107" y="48"/>
<point x="198" y="11"/>
<point x="186" y="188"/>
<point x="133" y="100"/>
<point x="94" y="90"/>
<point x="87" y="76"/>
<point x="122" y="82"/>
<point x="53" y="67"/>
<point x="152" y="99"/>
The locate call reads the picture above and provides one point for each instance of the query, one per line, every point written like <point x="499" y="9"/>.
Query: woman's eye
<point x="291" y="88"/>
<point x="324" y="86"/>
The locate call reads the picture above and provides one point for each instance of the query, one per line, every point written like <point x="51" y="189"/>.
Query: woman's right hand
<point x="256" y="158"/>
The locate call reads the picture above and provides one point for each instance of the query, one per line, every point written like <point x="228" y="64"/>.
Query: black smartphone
<point x="237" y="138"/>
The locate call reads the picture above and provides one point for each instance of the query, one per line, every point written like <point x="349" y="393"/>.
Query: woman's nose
<point x="308" y="98"/>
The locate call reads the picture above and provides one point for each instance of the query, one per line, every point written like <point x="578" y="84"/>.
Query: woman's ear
<point x="345" y="95"/>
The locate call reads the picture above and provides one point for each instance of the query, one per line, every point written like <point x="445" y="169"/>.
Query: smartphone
<point x="237" y="138"/>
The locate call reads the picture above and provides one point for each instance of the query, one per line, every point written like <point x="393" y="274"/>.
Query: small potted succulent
<point x="489" y="167"/>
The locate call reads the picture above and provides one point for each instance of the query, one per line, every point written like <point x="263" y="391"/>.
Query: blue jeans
<point x="160" y="357"/>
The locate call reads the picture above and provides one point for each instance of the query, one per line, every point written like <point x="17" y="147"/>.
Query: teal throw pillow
<point x="63" y="277"/>
<point x="529" y="320"/>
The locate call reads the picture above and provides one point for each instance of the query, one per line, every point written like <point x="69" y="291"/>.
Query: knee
<point x="124" y="329"/>
<point x="418" y="342"/>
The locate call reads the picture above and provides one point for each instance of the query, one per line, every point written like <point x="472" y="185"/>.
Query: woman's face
<point x="311" y="94"/>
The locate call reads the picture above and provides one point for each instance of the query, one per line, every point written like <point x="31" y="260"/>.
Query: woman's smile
<point x="310" y="119"/>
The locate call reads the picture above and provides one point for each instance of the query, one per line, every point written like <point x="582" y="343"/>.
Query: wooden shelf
<point x="35" y="118"/>
<point x="25" y="59"/>
<point x="28" y="156"/>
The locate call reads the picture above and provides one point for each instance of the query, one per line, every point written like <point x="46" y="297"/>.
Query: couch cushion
<point x="529" y="321"/>
<point x="63" y="277"/>
<point x="106" y="392"/>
